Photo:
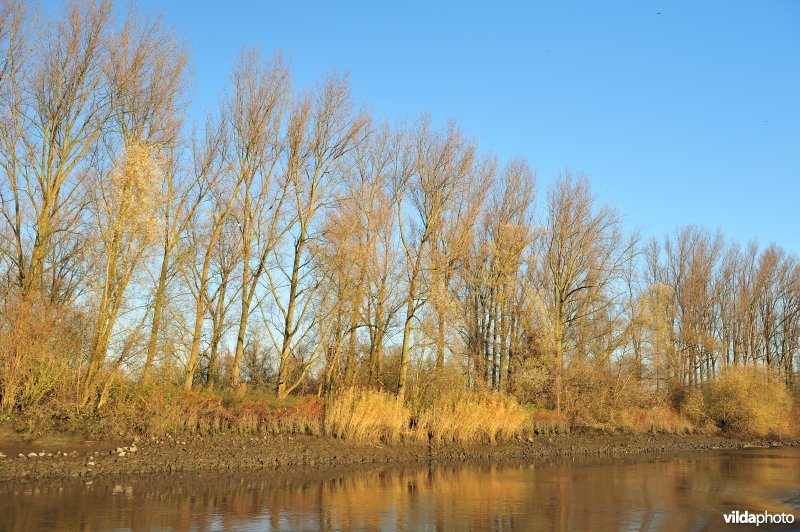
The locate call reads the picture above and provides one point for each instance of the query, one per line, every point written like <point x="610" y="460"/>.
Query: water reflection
<point x="645" y="493"/>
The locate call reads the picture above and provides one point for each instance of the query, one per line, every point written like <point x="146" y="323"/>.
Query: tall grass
<point x="473" y="418"/>
<point x="549" y="422"/>
<point x="656" y="419"/>
<point x="366" y="415"/>
<point x="370" y="416"/>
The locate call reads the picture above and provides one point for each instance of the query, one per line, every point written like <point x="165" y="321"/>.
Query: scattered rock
<point x="121" y="454"/>
<point x="32" y="455"/>
<point x="21" y="455"/>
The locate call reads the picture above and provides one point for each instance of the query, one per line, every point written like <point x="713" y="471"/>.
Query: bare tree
<point x="205" y="234"/>
<point x="254" y="115"/>
<point x="509" y="229"/>
<point x="582" y="255"/>
<point x="430" y="186"/>
<point x="59" y="105"/>
<point x="145" y="83"/>
<point x="14" y="47"/>
<point x="321" y="130"/>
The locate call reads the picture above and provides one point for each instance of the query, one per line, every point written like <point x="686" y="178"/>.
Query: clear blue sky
<point x="687" y="116"/>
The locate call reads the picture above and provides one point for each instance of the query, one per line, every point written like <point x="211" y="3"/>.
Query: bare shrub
<point x="40" y="353"/>
<point x="692" y="405"/>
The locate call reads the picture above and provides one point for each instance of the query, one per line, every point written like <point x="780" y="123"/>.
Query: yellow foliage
<point x="135" y="188"/>
<point x="693" y="406"/>
<point x="745" y="400"/>
<point x="40" y="346"/>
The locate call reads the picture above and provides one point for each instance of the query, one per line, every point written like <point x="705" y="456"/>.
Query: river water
<point x="678" y="492"/>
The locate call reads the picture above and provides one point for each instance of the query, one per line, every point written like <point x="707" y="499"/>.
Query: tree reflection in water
<point x="643" y="493"/>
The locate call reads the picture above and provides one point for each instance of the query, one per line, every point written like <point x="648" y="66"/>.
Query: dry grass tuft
<point x="366" y="415"/>
<point x="657" y="419"/>
<point x="549" y="422"/>
<point x="473" y="418"/>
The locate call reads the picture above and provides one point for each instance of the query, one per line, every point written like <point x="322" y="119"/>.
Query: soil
<point x="61" y="457"/>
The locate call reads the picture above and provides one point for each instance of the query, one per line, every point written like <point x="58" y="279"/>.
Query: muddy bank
<point x="63" y="457"/>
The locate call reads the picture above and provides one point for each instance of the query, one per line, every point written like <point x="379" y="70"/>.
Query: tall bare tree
<point x="59" y="105"/>
<point x="322" y="129"/>
<point x="254" y="116"/>
<point x="582" y="255"/>
<point x="430" y="187"/>
<point x="145" y="74"/>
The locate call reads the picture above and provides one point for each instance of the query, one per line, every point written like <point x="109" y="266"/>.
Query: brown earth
<point x="59" y="457"/>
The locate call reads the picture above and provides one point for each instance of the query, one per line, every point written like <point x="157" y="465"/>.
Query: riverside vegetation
<point x="287" y="264"/>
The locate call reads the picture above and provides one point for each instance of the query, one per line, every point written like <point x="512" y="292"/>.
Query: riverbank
<point x="60" y="457"/>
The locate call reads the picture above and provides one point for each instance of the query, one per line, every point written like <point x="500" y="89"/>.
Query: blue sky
<point x="680" y="112"/>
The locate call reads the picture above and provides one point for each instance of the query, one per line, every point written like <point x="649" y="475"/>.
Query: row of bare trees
<point x="708" y="304"/>
<point x="288" y="238"/>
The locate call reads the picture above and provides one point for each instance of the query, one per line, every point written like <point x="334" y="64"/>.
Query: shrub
<point x="533" y="381"/>
<point x="162" y="409"/>
<point x="40" y="352"/>
<point x="692" y="405"/>
<point x="745" y="400"/>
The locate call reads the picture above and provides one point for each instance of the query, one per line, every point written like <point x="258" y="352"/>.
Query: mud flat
<point x="59" y="457"/>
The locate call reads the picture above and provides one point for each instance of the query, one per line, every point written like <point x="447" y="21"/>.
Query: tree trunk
<point x="158" y="304"/>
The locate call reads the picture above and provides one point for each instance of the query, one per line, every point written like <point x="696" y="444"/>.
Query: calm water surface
<point x="684" y="492"/>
